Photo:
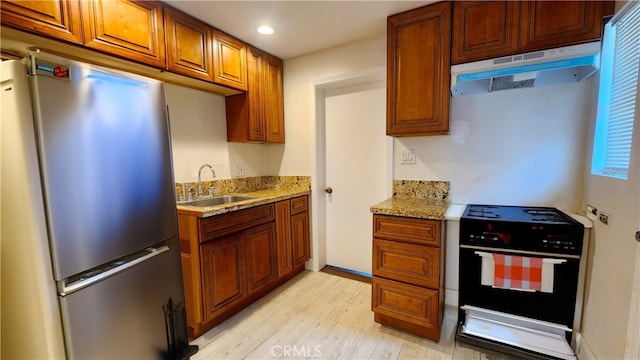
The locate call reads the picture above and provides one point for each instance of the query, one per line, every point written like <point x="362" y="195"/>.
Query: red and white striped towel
<point x="518" y="272"/>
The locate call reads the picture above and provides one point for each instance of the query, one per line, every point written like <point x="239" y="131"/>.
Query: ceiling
<point x="301" y="27"/>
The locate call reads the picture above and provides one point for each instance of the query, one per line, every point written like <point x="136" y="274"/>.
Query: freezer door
<point x="128" y="315"/>
<point x="105" y="156"/>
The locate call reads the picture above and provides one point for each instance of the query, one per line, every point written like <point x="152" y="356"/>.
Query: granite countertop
<point x="433" y="209"/>
<point x="261" y="197"/>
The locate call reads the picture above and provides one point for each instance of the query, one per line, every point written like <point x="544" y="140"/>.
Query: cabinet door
<point x="300" y="238"/>
<point x="484" y="29"/>
<point x="188" y="285"/>
<point x="273" y="102"/>
<point x="245" y="112"/>
<point x="548" y="24"/>
<point x="418" y="71"/>
<point x="229" y="61"/>
<point x="132" y="30"/>
<point x="189" y="49"/>
<point x="258" y="114"/>
<point x="255" y="97"/>
<point x="223" y="274"/>
<point x="261" y="257"/>
<point x="58" y="19"/>
<point x="283" y="235"/>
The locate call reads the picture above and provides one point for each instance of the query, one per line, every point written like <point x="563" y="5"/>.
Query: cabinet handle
<point x="328" y="190"/>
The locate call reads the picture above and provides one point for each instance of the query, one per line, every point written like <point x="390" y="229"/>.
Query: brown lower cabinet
<point x="232" y="259"/>
<point x="223" y="275"/>
<point x="408" y="274"/>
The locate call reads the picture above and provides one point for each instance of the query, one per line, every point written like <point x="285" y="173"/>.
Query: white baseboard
<point x="451" y="297"/>
<point x="584" y="350"/>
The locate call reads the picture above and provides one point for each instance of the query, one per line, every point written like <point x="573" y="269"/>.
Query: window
<point x="617" y="93"/>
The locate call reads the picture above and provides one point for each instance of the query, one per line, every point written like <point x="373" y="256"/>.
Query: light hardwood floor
<point x="322" y="316"/>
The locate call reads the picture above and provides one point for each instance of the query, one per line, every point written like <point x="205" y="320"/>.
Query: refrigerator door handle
<point x="71" y="285"/>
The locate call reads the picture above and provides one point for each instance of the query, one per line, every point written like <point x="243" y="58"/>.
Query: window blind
<point x="617" y="96"/>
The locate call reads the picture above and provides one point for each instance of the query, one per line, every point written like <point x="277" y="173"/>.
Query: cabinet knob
<point x="328" y="190"/>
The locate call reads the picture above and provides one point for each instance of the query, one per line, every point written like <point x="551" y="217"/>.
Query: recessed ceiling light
<point x="265" y="30"/>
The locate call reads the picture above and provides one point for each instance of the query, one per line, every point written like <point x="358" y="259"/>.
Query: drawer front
<point x="413" y="264"/>
<point x="410" y="230"/>
<point x="408" y="303"/>
<point x="229" y="223"/>
<point x="299" y="204"/>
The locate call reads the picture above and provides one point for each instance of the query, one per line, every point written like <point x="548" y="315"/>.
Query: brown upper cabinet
<point x="548" y="24"/>
<point x="484" y="29"/>
<point x="135" y="30"/>
<point x="130" y="29"/>
<point x="488" y="29"/>
<point x="57" y="19"/>
<point x="258" y="114"/>
<point x="189" y="50"/>
<point x="229" y="61"/>
<point x="418" y="71"/>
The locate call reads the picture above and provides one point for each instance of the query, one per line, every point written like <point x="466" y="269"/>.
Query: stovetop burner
<point x="545" y="215"/>
<point x="526" y="214"/>
<point x="483" y="212"/>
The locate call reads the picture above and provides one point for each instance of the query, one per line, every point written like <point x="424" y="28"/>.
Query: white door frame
<point x="318" y="205"/>
<point x="632" y="350"/>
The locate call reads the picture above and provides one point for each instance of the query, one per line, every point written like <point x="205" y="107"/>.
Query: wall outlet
<point x="604" y="218"/>
<point x="239" y="170"/>
<point x="408" y="157"/>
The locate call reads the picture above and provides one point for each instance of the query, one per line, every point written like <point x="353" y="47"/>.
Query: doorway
<point x="354" y="165"/>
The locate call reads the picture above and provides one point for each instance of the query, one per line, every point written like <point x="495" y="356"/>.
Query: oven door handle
<point x="523" y="252"/>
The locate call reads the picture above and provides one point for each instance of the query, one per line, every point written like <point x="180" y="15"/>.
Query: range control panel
<point x="519" y="236"/>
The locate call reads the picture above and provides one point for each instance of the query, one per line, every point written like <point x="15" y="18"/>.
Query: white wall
<point x="297" y="156"/>
<point x="199" y="136"/>
<point x="514" y="147"/>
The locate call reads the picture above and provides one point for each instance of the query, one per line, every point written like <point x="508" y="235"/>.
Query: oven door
<point x="556" y="304"/>
<point x="522" y="302"/>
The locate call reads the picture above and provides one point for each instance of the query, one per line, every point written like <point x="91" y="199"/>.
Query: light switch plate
<point x="408" y="157"/>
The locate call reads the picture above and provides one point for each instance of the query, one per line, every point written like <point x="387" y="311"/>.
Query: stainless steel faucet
<point x="200" y="177"/>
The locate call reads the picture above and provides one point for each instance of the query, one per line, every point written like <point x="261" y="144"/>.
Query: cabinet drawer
<point x="413" y="264"/>
<point x="407" y="303"/>
<point x="225" y="224"/>
<point x="299" y="204"/>
<point x="410" y="230"/>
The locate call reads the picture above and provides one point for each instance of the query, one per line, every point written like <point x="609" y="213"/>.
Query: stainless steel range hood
<point x="540" y="68"/>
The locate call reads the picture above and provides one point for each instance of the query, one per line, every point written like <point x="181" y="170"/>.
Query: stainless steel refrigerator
<point x="88" y="212"/>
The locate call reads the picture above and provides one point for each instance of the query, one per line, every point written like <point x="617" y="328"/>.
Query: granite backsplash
<point x="421" y="189"/>
<point x="242" y="185"/>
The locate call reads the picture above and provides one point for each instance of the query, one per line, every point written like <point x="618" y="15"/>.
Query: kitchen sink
<point x="218" y="200"/>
